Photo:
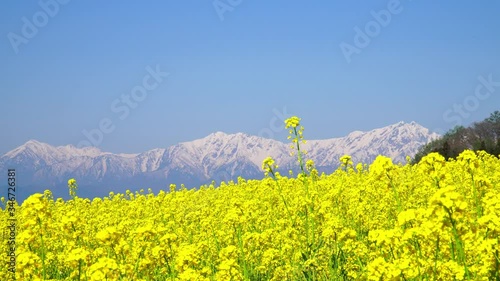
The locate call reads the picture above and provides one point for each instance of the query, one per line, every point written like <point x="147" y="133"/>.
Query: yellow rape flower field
<point x="436" y="220"/>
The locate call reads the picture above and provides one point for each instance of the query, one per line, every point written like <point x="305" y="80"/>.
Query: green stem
<point x="43" y="249"/>
<point x="281" y="195"/>
<point x="299" y="154"/>
<point x="396" y="194"/>
<point x="458" y="242"/>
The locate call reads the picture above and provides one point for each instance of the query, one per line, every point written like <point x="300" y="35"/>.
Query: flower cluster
<point x="269" y="166"/>
<point x="72" y="187"/>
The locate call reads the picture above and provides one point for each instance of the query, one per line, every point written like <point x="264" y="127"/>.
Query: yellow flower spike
<point x="269" y="166"/>
<point x="346" y="162"/>
<point x="292" y="122"/>
<point x="72" y="185"/>
<point x="71" y="182"/>
<point x="309" y="165"/>
<point x="359" y="167"/>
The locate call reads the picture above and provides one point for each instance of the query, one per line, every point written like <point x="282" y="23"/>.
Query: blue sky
<point x="240" y="69"/>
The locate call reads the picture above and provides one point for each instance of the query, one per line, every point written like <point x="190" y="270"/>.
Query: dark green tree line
<point x="484" y="135"/>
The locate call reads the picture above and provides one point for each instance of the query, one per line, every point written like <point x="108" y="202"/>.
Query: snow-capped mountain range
<point x="219" y="157"/>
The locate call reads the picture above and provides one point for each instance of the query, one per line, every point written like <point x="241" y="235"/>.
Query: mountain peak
<point x="414" y="126"/>
<point x="220" y="134"/>
<point x="412" y="123"/>
<point x="217" y="134"/>
<point x="34" y="143"/>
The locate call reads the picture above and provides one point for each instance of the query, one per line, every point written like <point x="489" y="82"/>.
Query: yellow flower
<point x="72" y="187"/>
<point x="268" y="166"/>
<point x="71" y="182"/>
<point x="346" y="161"/>
<point x="292" y="122"/>
<point x="309" y="165"/>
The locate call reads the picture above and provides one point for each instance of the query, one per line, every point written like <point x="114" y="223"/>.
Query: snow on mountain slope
<point x="218" y="156"/>
<point x="395" y="141"/>
<point x="220" y="149"/>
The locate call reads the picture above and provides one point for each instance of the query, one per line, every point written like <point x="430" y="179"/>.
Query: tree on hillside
<point x="484" y="135"/>
<point x="445" y="150"/>
<point x="497" y="148"/>
<point x="494" y="117"/>
<point x="494" y="121"/>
